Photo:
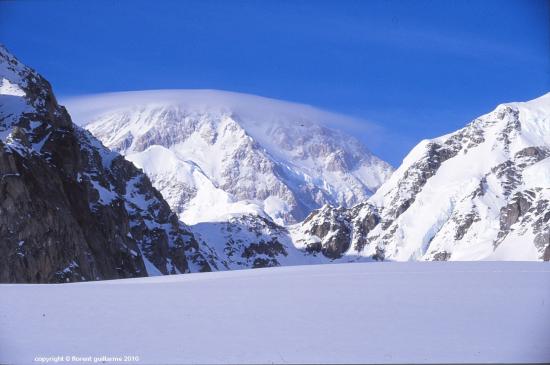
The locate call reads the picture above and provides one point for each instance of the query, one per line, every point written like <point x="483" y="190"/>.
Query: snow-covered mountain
<point x="216" y="155"/>
<point x="482" y="192"/>
<point x="240" y="168"/>
<point x="478" y="193"/>
<point x="71" y="209"/>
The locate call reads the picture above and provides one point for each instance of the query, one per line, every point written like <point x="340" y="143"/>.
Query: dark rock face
<point x="464" y="224"/>
<point x="513" y="125"/>
<point x="332" y="229"/>
<point x="244" y="241"/>
<point x="517" y="207"/>
<point x="541" y="224"/>
<point x="442" y="256"/>
<point x="335" y="230"/>
<point x="364" y="224"/>
<point x="332" y="226"/>
<point x="71" y="210"/>
<point x="271" y="249"/>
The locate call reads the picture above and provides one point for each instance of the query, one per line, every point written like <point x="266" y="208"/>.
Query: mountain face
<point x="214" y="154"/>
<point x="72" y="210"/>
<point x="240" y="170"/>
<point x="478" y="193"/>
<point x="482" y="192"/>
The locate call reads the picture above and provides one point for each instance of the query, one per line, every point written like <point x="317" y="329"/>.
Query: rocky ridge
<point x="482" y="192"/>
<point x="72" y="210"/>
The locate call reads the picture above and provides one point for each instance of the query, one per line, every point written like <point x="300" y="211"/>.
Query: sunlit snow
<point x="350" y="313"/>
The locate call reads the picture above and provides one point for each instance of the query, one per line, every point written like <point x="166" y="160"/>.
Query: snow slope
<point x="185" y="186"/>
<point x="279" y="156"/>
<point x="479" y="193"/>
<point x="354" y="313"/>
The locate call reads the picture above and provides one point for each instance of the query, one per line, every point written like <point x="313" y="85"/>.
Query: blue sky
<point x="416" y="69"/>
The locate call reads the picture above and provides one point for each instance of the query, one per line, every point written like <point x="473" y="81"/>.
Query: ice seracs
<point x="282" y="157"/>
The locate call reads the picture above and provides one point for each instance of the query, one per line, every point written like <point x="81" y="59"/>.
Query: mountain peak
<point x="59" y="184"/>
<point x="478" y="193"/>
<point x="248" y="106"/>
<point x="281" y="155"/>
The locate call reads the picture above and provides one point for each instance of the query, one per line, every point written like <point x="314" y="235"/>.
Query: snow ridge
<point x="279" y="156"/>
<point x="481" y="193"/>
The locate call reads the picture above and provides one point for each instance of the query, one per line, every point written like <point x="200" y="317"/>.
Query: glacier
<point x="415" y="312"/>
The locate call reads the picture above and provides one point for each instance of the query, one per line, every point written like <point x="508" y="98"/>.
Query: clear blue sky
<point x="417" y="69"/>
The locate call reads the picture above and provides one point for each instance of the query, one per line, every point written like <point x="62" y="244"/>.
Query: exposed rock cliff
<point x="70" y="209"/>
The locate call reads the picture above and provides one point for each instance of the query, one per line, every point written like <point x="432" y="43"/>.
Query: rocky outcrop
<point x="247" y="241"/>
<point x="71" y="210"/>
<point x="329" y="230"/>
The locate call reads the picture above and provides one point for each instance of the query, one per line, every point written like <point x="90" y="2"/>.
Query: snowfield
<point x="349" y="313"/>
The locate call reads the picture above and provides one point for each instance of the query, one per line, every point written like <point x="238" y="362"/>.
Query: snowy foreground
<point x="368" y="312"/>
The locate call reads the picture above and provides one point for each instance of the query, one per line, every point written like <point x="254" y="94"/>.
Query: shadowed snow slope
<point x="478" y="312"/>
<point x="248" y="150"/>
